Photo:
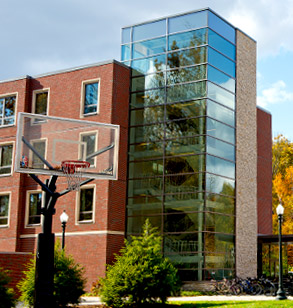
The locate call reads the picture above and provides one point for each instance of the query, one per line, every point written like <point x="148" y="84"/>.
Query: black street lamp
<point x="280" y="293"/>
<point x="63" y="218"/>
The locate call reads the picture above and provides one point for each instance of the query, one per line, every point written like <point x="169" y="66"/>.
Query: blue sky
<point x="42" y="36"/>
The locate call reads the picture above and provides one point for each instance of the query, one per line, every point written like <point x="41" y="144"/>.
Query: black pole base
<point x="44" y="280"/>
<point x="281" y="295"/>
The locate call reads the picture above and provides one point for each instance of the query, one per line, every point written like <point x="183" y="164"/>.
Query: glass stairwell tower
<point x="181" y="172"/>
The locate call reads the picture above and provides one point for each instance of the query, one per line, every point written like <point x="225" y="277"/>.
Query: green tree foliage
<point x="68" y="280"/>
<point x="140" y="275"/>
<point x="6" y="294"/>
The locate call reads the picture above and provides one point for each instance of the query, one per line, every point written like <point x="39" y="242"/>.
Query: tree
<point x="6" y="294"/>
<point x="140" y="275"/>
<point x="68" y="280"/>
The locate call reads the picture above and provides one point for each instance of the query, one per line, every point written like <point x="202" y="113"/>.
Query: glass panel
<point x="187" y="39"/>
<point x="35" y="203"/>
<point x="145" y="150"/>
<point x="90" y="109"/>
<point x="86" y="204"/>
<point x="6" y="156"/>
<point x="148" y="82"/>
<point x="184" y="183"/>
<point x="10" y="106"/>
<point x="148" y="65"/>
<point x="221" y="96"/>
<point x="148" y="48"/>
<point x="187" y="57"/>
<point x="147" y="115"/>
<point x="220" y="113"/>
<point x="150" y="133"/>
<point x="125" y="52"/>
<point x="182" y="243"/>
<point x="185" y="128"/>
<point x="221" y="79"/>
<point x="144" y="205"/>
<point x="221" y="131"/>
<point x="222" y="27"/>
<point x="219" y="273"/>
<point x="4" y="204"/>
<point x="219" y="243"/>
<point x="145" y="187"/>
<point x="134" y="224"/>
<point x="149" y="30"/>
<point x="41" y="103"/>
<point x="221" y="62"/>
<point x="185" y="110"/>
<point x="40" y="147"/>
<point x="91" y="94"/>
<point x="220" y="148"/>
<point x="221" y="44"/>
<point x="126" y="35"/>
<point x="184" y="202"/>
<point x="183" y="222"/>
<point x="186" y="91"/>
<point x="145" y="168"/>
<point x="184" y="164"/>
<point x="90" y="146"/>
<point x="219" y="166"/>
<point x="148" y="98"/>
<point x="221" y="204"/>
<point x="217" y="184"/>
<point x="188" y="21"/>
<point x="186" y="74"/>
<point x="2" y="102"/>
<point x="216" y="222"/>
<point x="193" y="145"/>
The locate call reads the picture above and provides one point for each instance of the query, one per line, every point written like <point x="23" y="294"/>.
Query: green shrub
<point x="68" y="280"/>
<point x="141" y="275"/>
<point x="6" y="294"/>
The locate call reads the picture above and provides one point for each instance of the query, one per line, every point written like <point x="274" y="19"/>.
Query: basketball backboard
<point x="44" y="142"/>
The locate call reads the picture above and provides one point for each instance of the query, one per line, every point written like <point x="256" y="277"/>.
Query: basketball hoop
<point x="73" y="170"/>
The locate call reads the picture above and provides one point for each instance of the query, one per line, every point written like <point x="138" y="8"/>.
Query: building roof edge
<point x="263" y="109"/>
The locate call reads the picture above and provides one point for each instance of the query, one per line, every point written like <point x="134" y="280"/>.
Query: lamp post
<point x="63" y="218"/>
<point x="280" y="293"/>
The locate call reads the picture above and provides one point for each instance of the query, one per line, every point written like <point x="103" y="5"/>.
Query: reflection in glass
<point x="148" y="48"/>
<point x="219" y="166"/>
<point x="221" y="62"/>
<point x="145" y="150"/>
<point x="147" y="115"/>
<point x="191" y="145"/>
<point x="145" y="187"/>
<point x="125" y="52"/>
<point x="184" y="183"/>
<point x="220" y="113"/>
<point x="148" y="65"/>
<point x="187" y="39"/>
<point x="188" y="91"/>
<point x="220" y="148"/>
<point x="148" y="82"/>
<point x="185" y="110"/>
<point x="187" y="57"/>
<point x="183" y="243"/>
<point x="221" y="204"/>
<point x="126" y="35"/>
<point x="149" y="30"/>
<point x="147" y="98"/>
<point x="188" y="21"/>
<point x="220" y="185"/>
<point x="144" y="205"/>
<point x="221" y="96"/>
<point x="149" y="133"/>
<point x="216" y="222"/>
<point x="186" y="74"/>
<point x="221" y="79"/>
<point x="184" y="164"/>
<point x="222" y="45"/>
<point x="220" y="131"/>
<point x="141" y="169"/>
<point x="135" y="224"/>
<point x="183" y="222"/>
<point x="186" y="202"/>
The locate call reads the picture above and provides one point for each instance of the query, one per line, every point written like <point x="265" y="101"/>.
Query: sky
<point x="43" y="36"/>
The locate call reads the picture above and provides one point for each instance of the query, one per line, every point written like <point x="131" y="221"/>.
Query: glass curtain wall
<point x="181" y="173"/>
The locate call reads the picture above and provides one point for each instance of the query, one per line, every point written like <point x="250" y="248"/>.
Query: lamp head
<point x="64" y="217"/>
<point x="280" y="209"/>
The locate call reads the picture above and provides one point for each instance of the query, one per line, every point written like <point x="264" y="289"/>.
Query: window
<point x="7" y="110"/>
<point x="90" y="97"/>
<point x="86" y="205"/>
<point x="34" y="203"/>
<point x="5" y="159"/>
<point x="91" y="145"/>
<point x="4" y="209"/>
<point x="40" y="101"/>
<point x="40" y="147"/>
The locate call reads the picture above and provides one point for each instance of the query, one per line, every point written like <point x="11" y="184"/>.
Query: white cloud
<point x="275" y="94"/>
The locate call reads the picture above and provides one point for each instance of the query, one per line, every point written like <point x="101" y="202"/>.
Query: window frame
<point x="96" y="133"/>
<point x="35" y="92"/>
<point x="27" y="207"/>
<point x="77" y="210"/>
<point x="12" y="158"/>
<point x="3" y="96"/>
<point x="82" y="103"/>
<point x="7" y="193"/>
<point x="31" y="154"/>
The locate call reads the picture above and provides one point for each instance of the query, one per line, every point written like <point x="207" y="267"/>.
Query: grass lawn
<point x="237" y="304"/>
